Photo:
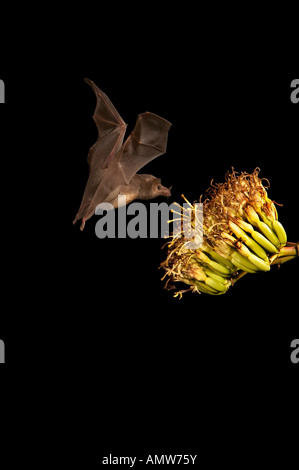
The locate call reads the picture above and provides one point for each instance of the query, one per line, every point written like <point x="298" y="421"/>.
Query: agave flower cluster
<point x="240" y="232"/>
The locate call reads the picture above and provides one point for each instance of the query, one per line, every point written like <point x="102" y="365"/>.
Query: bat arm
<point x="113" y="125"/>
<point x="119" y="129"/>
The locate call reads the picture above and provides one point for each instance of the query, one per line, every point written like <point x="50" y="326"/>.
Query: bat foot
<point x="82" y="225"/>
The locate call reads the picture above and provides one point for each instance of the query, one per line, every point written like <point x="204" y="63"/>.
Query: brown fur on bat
<point x="113" y="164"/>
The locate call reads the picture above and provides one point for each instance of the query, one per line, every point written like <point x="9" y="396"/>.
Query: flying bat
<point x="113" y="165"/>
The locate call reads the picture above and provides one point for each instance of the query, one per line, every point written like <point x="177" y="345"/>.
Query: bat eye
<point x="159" y="187"/>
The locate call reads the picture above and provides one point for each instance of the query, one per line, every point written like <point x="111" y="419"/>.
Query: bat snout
<point x="165" y="191"/>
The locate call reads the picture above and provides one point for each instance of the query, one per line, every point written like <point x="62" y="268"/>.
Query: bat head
<point x="157" y="189"/>
<point x="151" y="187"/>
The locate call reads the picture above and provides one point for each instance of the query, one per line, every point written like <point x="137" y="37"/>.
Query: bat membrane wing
<point x="111" y="130"/>
<point x="147" y="141"/>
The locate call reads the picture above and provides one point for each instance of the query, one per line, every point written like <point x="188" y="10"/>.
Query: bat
<point x="113" y="165"/>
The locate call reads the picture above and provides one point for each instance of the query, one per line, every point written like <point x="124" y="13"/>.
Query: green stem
<point x="283" y="259"/>
<point x="286" y="253"/>
<point x="238" y="276"/>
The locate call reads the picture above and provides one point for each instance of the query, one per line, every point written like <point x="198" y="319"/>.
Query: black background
<point x="94" y="344"/>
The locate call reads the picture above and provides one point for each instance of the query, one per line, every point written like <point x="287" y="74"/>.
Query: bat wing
<point x="111" y="130"/>
<point x="147" y="141"/>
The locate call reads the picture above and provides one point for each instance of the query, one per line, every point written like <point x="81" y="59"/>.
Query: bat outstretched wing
<point x="147" y="141"/>
<point x="111" y="130"/>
